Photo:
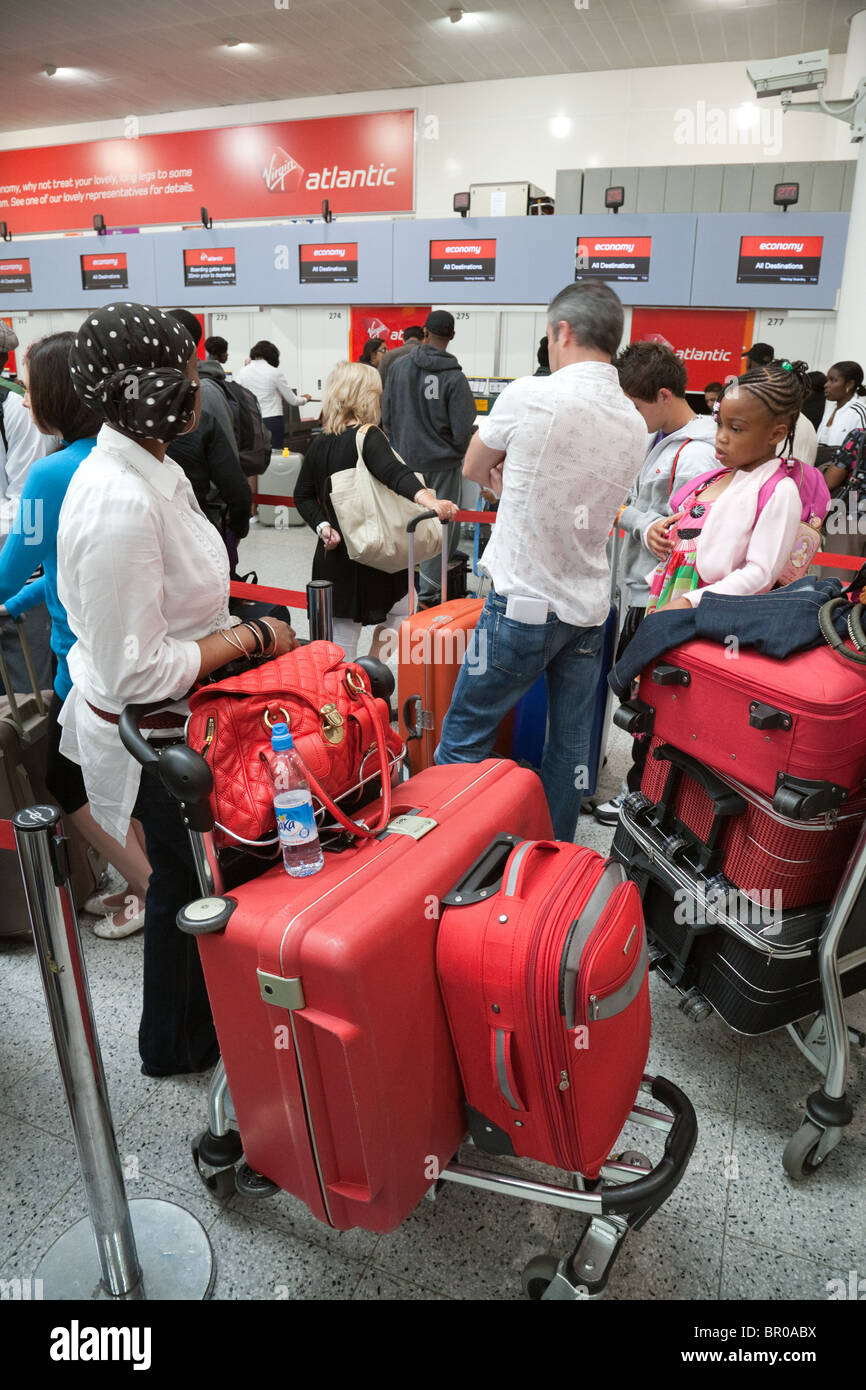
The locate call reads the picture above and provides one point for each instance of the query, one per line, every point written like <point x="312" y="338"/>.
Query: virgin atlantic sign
<point x="363" y="164"/>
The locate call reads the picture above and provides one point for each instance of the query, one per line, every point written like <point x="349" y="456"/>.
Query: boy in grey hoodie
<point x="681" y="446"/>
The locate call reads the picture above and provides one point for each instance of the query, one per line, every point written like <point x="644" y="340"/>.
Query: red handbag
<point x="337" y="725"/>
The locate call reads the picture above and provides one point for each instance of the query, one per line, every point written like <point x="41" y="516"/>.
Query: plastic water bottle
<point x="293" y="804"/>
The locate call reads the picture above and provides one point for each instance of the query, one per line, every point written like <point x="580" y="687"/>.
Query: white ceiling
<point x="150" y="56"/>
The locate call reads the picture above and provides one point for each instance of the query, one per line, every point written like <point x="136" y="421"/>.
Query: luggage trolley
<point x="722" y="958"/>
<point x="626" y="1194"/>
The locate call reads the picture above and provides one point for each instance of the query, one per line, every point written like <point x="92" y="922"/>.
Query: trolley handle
<point x="410" y="528"/>
<point x="643" y="1197"/>
<point x="182" y="771"/>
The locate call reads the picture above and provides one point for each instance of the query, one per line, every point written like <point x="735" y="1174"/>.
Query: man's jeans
<point x="446" y="483"/>
<point x="504" y="660"/>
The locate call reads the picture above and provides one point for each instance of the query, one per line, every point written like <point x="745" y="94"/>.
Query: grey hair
<point x="593" y="312"/>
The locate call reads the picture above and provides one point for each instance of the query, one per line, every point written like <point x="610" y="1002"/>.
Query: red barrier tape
<point x="290" y="597"/>
<point x="839" y="562"/>
<point x="271" y="500"/>
<point x="7" y="835"/>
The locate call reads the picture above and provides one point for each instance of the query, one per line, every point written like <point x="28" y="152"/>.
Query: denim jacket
<point x="777" y="623"/>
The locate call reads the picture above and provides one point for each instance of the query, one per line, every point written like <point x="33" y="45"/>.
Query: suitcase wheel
<point x="799" y="1158"/>
<point x="538" y="1274"/>
<point x="249" y="1183"/>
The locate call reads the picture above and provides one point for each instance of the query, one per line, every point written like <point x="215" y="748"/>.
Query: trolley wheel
<point x="538" y="1274"/>
<point x="220" y="1182"/>
<point x="249" y="1183"/>
<point x="798" y="1159"/>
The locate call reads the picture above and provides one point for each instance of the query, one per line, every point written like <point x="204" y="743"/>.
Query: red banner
<point x="384" y="321"/>
<point x="11" y="366"/>
<point x="362" y="164"/>
<point x="711" y="342"/>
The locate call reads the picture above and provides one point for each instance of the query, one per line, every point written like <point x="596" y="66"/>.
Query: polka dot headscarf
<point x="128" y="363"/>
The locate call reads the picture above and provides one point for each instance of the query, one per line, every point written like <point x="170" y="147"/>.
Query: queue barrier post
<point x="320" y="610"/>
<point x="144" y="1249"/>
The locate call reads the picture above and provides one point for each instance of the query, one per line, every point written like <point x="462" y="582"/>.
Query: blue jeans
<point x="504" y="660"/>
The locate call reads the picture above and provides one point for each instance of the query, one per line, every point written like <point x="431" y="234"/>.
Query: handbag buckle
<point x="354" y="683"/>
<point x="333" y="730"/>
<point x="269" y="723"/>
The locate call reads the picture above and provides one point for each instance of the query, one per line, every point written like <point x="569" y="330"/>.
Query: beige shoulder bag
<point x="372" y="518"/>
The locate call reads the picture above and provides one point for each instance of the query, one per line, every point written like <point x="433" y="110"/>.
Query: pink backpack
<point x="814" y="495"/>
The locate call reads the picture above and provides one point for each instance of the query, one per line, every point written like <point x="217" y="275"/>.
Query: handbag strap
<point x="365" y="832"/>
<point x="831" y="636"/>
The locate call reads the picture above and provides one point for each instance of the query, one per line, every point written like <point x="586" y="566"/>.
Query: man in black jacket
<point x="209" y="458"/>
<point x="428" y="411"/>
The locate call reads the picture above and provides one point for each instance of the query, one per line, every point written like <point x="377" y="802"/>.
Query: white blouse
<point x="142" y="575"/>
<point x="269" y="387"/>
<point x="851" y="416"/>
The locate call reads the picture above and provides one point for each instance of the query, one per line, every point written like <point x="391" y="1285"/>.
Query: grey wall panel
<point x="679" y="188"/>
<point x="535" y="257"/>
<point x="55" y="269"/>
<point x="848" y="185"/>
<point x="764" y="179"/>
<point x="595" y="181"/>
<point x="651" y="190"/>
<point x="709" y="180"/>
<point x="803" y="173"/>
<point x="717" y="255"/>
<point x="737" y="187"/>
<point x="569" y="191"/>
<point x="828" y="185"/>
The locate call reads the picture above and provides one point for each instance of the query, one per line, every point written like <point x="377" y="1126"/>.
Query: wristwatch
<point x="321" y="527"/>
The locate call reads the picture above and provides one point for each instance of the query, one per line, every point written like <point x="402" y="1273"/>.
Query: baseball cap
<point x="8" y="339"/>
<point x="440" y="323"/>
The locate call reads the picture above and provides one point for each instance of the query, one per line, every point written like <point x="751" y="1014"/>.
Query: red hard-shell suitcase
<point x="792" y="730"/>
<point x="327" y="1008"/>
<point x="542" y="958"/>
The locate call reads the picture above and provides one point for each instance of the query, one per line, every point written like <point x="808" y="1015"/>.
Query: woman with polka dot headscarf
<point x="144" y="578"/>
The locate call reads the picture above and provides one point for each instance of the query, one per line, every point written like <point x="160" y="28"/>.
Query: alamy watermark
<point x="729" y="125"/>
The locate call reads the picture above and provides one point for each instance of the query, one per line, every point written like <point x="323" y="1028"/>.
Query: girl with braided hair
<point x="733" y="529"/>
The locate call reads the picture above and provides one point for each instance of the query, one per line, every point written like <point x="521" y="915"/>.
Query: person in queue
<point x="362" y="595"/>
<point x="844" y="410"/>
<point x="56" y="409"/>
<point x="719" y="543"/>
<point x="144" y="579"/>
<point x="712" y="391"/>
<point x="268" y="384"/>
<point x="563" y="451"/>
<point x="373" y="352"/>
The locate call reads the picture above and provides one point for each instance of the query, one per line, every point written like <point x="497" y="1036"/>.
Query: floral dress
<point x="678" y="574"/>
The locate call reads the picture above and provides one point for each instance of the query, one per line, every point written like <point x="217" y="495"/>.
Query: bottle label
<point x="297" y="824"/>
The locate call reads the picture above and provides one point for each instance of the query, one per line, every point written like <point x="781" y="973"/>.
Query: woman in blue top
<point x="58" y="410"/>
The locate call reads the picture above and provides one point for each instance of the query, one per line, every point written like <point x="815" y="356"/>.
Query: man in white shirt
<point x="563" y="450"/>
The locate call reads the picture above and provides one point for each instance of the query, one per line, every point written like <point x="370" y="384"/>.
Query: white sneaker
<point x="608" y="812"/>
<point x="110" y="931"/>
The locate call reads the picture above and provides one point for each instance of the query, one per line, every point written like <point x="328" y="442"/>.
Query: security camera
<point x="801" y="72"/>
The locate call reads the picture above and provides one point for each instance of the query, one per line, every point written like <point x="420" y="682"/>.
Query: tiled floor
<point x="736" y="1228"/>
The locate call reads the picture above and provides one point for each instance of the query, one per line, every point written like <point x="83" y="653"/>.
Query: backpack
<point x="251" y="432"/>
<point x="815" y="499"/>
<point x="851" y="455"/>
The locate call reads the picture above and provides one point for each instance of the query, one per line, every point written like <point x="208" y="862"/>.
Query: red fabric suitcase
<point x="327" y="1008"/>
<point x="793" y="730"/>
<point x="542" y="958"/>
<point x="779" y="862"/>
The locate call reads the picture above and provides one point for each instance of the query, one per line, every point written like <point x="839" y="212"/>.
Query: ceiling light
<point x="49" y="69"/>
<point x="560" y="127"/>
<point x="456" y="14"/>
<point x="237" y="43"/>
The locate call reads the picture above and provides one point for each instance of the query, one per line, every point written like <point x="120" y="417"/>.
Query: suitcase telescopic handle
<point x="182" y="771"/>
<point x="410" y="530"/>
<point x="726" y="801"/>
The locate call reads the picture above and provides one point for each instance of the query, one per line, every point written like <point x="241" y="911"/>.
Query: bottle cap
<point x="281" y="738"/>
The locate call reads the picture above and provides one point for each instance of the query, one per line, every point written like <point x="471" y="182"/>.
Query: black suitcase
<point x="754" y="963"/>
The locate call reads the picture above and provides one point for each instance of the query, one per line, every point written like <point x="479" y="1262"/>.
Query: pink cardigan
<point x="736" y="554"/>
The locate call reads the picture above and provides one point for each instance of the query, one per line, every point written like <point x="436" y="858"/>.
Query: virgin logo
<point x="278" y="170"/>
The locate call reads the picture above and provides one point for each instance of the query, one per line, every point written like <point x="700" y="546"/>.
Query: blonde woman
<point x="352" y="399"/>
